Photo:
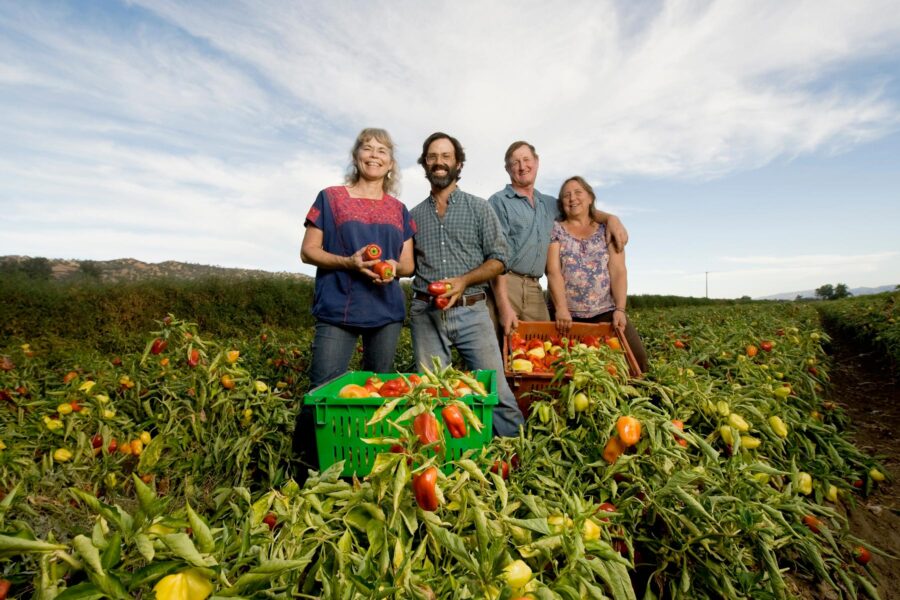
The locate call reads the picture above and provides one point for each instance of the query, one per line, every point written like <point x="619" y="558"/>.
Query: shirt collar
<point x="454" y="196"/>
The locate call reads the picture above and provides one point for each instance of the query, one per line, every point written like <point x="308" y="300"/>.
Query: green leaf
<point x="15" y="545"/>
<point x="113" y="552"/>
<point x="535" y="525"/>
<point x="89" y="553"/>
<point x="146" y="496"/>
<point x="201" y="530"/>
<point x="182" y="547"/>
<point x="83" y="591"/>
<point x="384" y="410"/>
<point x="154" y="572"/>
<point x="453" y="544"/>
<point x="144" y="546"/>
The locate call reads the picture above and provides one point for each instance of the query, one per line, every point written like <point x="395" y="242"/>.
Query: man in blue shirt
<point x="458" y="241"/>
<point x="526" y="216"/>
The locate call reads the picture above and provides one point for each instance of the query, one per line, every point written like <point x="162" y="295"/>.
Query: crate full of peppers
<point x="345" y="411"/>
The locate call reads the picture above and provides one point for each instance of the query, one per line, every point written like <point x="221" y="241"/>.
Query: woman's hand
<point x="563" y="321"/>
<point x="359" y="263"/>
<point x="394" y="266"/>
<point x="619" y="320"/>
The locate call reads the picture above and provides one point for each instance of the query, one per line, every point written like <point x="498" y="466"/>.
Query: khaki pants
<point x="527" y="299"/>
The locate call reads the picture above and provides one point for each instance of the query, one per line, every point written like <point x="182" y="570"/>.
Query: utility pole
<point x="707" y="285"/>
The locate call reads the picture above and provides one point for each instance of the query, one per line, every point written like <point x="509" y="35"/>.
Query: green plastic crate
<point x="341" y="422"/>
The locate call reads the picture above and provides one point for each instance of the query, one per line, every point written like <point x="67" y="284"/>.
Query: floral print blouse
<point x="585" y="270"/>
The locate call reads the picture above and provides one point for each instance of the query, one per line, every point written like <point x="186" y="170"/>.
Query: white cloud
<point x="205" y="129"/>
<point x="693" y="90"/>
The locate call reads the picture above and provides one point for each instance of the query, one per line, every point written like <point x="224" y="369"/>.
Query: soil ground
<point x="868" y="389"/>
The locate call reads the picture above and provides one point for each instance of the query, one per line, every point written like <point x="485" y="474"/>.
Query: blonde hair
<point x="391" y="182"/>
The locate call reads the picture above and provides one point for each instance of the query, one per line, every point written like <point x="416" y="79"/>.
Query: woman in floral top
<point x="587" y="279"/>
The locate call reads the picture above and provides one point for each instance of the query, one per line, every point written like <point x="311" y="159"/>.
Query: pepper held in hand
<point x="372" y="252"/>
<point x="384" y="270"/>
<point x="437" y="288"/>
<point x="454" y="421"/>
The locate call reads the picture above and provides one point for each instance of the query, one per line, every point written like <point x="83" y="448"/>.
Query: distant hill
<point x="126" y="269"/>
<point x="860" y="291"/>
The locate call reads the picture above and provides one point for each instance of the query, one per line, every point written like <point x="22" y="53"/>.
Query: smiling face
<point x="522" y="166"/>
<point x="373" y="160"/>
<point x="441" y="167"/>
<point x="575" y="199"/>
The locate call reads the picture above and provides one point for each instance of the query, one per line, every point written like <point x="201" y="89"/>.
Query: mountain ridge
<point x="128" y="269"/>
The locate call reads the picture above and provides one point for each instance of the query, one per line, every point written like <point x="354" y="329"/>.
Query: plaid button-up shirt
<point x="468" y="235"/>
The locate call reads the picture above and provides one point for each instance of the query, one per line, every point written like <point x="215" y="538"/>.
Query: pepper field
<point x="167" y="473"/>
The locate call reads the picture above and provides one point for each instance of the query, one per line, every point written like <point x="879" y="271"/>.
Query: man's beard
<point x="442" y="181"/>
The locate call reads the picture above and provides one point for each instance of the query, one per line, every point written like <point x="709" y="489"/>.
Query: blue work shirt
<point x="527" y="229"/>
<point x="467" y="236"/>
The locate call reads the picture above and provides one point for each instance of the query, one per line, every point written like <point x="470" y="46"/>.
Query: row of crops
<point x="169" y="474"/>
<point x="874" y="321"/>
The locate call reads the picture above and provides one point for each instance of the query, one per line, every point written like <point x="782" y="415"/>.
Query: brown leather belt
<point x="523" y="275"/>
<point x="464" y="301"/>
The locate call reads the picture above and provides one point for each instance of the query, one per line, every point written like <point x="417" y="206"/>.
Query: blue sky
<point x="759" y="141"/>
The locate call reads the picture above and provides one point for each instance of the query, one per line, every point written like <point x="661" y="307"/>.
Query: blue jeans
<point x="333" y="347"/>
<point x="469" y="329"/>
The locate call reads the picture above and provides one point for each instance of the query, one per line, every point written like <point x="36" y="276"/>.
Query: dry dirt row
<point x="869" y="391"/>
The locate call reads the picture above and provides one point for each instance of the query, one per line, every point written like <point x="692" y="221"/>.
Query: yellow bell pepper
<point x="521" y="365"/>
<point x="189" y="584"/>
<point x="749" y="442"/>
<point x="590" y="531"/>
<point x="727" y="436"/>
<point x="738" y="422"/>
<point x="517" y="574"/>
<point x="62" y="455"/>
<point x="778" y="426"/>
<point x="804" y="483"/>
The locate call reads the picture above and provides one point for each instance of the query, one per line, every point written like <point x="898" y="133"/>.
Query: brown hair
<point x="515" y="146"/>
<point x="391" y="182"/>
<point x="580" y="181"/>
<point x="457" y="149"/>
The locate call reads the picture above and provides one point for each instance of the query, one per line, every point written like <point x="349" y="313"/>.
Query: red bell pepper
<point x="454" y="421"/>
<point x="426" y="427"/>
<point x="384" y="270"/>
<point x="158" y="346"/>
<point x="393" y="388"/>
<point x="438" y="288"/>
<point x="424" y="489"/>
<point x="501" y="468"/>
<point x="372" y="252"/>
<point x="193" y="358"/>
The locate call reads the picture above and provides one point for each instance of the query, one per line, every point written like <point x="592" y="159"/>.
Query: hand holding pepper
<point x="447" y="294"/>
<point x="380" y="271"/>
<point x="359" y="261"/>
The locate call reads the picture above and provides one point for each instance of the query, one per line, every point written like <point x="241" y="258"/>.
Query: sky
<point x="753" y="147"/>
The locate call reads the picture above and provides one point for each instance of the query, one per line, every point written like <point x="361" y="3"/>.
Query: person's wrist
<point x="621" y="310"/>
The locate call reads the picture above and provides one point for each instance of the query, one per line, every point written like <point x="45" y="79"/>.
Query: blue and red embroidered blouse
<point x="348" y="224"/>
